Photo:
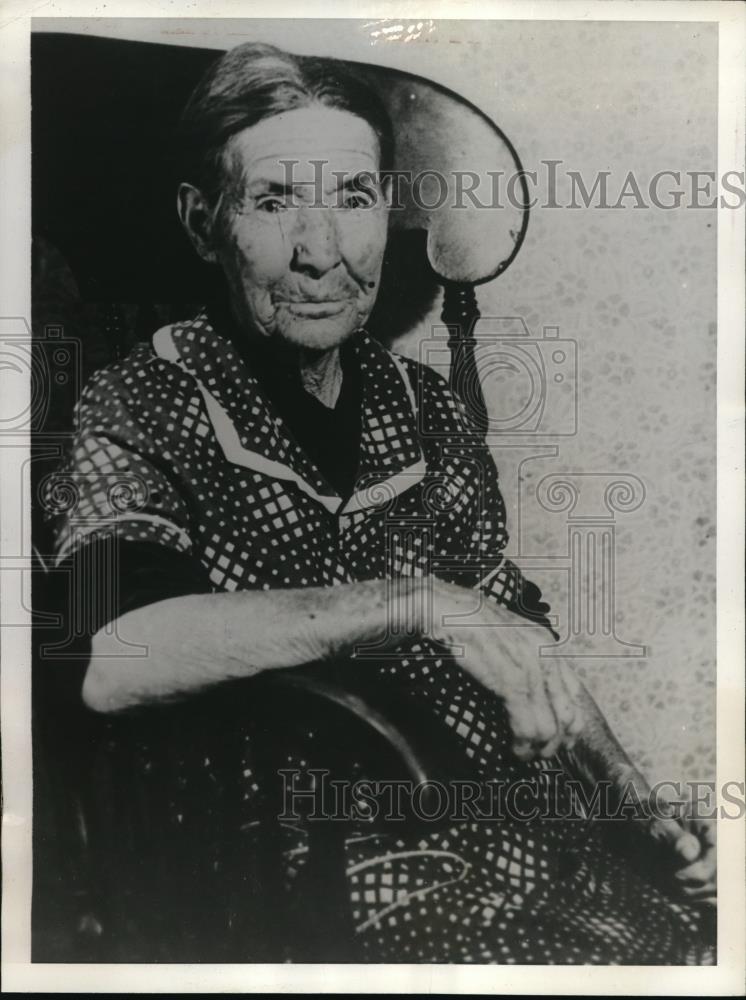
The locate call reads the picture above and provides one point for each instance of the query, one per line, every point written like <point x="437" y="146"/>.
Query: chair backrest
<point x="103" y="192"/>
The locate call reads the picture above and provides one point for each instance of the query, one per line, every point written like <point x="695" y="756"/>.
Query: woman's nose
<point x="316" y="242"/>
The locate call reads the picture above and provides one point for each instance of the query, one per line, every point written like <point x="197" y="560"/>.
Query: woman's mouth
<point x="315" y="310"/>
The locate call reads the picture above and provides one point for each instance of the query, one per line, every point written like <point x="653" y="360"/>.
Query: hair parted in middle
<point x="255" y="81"/>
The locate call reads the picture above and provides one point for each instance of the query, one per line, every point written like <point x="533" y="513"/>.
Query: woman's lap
<point x="510" y="893"/>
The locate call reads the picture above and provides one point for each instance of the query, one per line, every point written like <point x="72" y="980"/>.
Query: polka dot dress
<point x="177" y="445"/>
<point x="546" y="891"/>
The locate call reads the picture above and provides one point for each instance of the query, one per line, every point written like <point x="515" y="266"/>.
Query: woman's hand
<point x="698" y="876"/>
<point x="692" y="844"/>
<point x="688" y="843"/>
<point x="502" y="652"/>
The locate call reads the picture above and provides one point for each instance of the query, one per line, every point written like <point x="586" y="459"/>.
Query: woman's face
<point x="301" y="229"/>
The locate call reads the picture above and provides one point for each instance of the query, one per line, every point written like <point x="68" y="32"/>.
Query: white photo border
<point x="727" y="978"/>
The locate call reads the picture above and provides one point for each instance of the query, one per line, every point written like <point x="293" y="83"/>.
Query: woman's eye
<point x="358" y="199"/>
<point x="272" y="205"/>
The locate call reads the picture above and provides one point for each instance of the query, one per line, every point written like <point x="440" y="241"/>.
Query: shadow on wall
<point x="104" y="208"/>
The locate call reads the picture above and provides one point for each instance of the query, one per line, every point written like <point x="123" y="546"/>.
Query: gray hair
<point x="255" y="81"/>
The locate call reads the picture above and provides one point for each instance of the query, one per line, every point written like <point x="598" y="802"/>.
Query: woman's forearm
<point x="194" y="642"/>
<point x="197" y="641"/>
<point x="598" y="755"/>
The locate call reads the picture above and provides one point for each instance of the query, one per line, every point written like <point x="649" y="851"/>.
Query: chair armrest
<point x="362" y="722"/>
<point x="159" y="814"/>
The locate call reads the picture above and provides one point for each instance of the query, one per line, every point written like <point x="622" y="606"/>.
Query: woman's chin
<point x="316" y="334"/>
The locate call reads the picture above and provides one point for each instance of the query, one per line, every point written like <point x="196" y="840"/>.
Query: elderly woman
<point x="258" y="440"/>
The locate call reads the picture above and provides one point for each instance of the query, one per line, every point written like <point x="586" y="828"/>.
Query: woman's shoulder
<point x="141" y="370"/>
<point x="419" y="374"/>
<point x="137" y="387"/>
<point x="439" y="405"/>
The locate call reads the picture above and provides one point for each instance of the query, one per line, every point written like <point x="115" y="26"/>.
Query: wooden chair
<point x="126" y="871"/>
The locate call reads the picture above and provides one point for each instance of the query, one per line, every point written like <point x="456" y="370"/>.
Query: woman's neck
<point x="321" y="375"/>
<point x="320" y="371"/>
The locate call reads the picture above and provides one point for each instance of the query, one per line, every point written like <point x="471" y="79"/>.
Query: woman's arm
<point x="598" y="756"/>
<point x="196" y="641"/>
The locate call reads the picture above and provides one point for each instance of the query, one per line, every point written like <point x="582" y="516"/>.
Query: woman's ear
<point x="197" y="218"/>
<point x="387" y="188"/>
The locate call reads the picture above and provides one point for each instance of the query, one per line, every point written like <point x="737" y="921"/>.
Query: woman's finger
<point x="705" y="829"/>
<point x="704" y="900"/>
<point x="702" y="870"/>
<point x="670" y="832"/>
<point x="520" y="709"/>
<point x="532" y="728"/>
<point x="574" y="690"/>
<point x="559" y="697"/>
<point x="546" y="722"/>
<point x="699" y="894"/>
<point x="563" y="709"/>
<point x="524" y="749"/>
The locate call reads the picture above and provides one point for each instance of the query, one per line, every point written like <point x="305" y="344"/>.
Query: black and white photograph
<point x="374" y="590"/>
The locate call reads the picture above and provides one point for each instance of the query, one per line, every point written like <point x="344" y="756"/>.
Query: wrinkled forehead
<point x="314" y="139"/>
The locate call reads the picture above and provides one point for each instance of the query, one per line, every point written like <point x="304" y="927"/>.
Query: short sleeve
<point x="117" y="480"/>
<point x="119" y="521"/>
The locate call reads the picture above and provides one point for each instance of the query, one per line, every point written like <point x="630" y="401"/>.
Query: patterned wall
<point x="635" y="290"/>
